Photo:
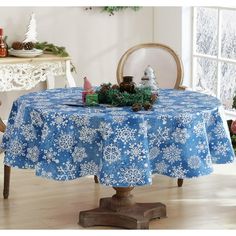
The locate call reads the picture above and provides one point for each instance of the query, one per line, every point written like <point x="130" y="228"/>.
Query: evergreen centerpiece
<point x="114" y="95"/>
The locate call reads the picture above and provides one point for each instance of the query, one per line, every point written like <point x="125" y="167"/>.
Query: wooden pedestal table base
<point x="120" y="210"/>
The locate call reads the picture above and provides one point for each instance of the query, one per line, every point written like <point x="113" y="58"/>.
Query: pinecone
<point x="17" y="45"/>
<point x="29" y="45"/>
<point x="136" y="107"/>
<point x="147" y="106"/>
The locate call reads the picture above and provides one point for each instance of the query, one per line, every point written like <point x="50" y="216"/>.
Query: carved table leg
<point x="122" y="211"/>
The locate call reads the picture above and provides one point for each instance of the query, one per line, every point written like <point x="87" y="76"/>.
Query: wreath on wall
<point x="112" y="9"/>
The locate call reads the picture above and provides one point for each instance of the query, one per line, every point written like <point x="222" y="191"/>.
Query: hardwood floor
<point x="35" y="203"/>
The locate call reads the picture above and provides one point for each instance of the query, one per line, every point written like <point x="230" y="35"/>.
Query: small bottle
<point x="3" y="46"/>
<point x="127" y="85"/>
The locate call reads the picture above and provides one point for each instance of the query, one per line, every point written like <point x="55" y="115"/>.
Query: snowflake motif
<point x="87" y="134"/>
<point x="80" y="120"/>
<point x="125" y="134"/>
<point x="221" y="148"/>
<point x="219" y="131"/>
<point x="185" y="118"/>
<point x="50" y="156"/>
<point x="172" y="153"/>
<point x="66" y="171"/>
<point x="111" y="153"/>
<point x="108" y="180"/>
<point x="132" y="175"/>
<point x="88" y="168"/>
<point x="178" y="172"/>
<point x="65" y="142"/>
<point x="181" y="135"/>
<point x="28" y="132"/>
<point x="199" y="129"/>
<point x="194" y="162"/>
<point x="154" y="152"/>
<point x="161" y="167"/>
<point x="136" y="151"/>
<point x="59" y="120"/>
<point x="79" y="154"/>
<point x="46" y="174"/>
<point x="33" y="153"/>
<point x="161" y="134"/>
<point x="16" y="148"/>
<point x="202" y="147"/>
<point x="208" y="161"/>
<point x="36" y="118"/>
<point x="45" y="132"/>
<point x="143" y="127"/>
<point x="118" y="119"/>
<point x="105" y="130"/>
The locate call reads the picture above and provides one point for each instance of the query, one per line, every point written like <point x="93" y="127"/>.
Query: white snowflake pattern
<point x="143" y="128"/>
<point x="105" y="130"/>
<point x="118" y="119"/>
<point x="161" y="167"/>
<point x="136" y="151"/>
<point x="80" y="120"/>
<point x="199" y="129"/>
<point x="66" y="171"/>
<point x="87" y="134"/>
<point x="161" y="135"/>
<point x="36" y="118"/>
<point x="172" y="153"/>
<point x="202" y="147"/>
<point x="194" y="162"/>
<point x="88" y="168"/>
<point x="132" y="175"/>
<point x="219" y="131"/>
<point x="180" y="135"/>
<point x="45" y="131"/>
<point x="79" y="154"/>
<point x="111" y="153"/>
<point x="16" y="148"/>
<point x="108" y="180"/>
<point x="154" y="152"/>
<point x="28" y="132"/>
<point x="125" y="134"/>
<point x="221" y="148"/>
<point x="208" y="161"/>
<point x="65" y="142"/>
<point x="185" y="118"/>
<point x="46" y="174"/>
<point x="33" y="153"/>
<point x="50" y="156"/>
<point x="178" y="172"/>
<point x="59" y="120"/>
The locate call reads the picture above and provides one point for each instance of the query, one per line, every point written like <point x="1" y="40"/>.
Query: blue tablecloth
<point x="180" y="137"/>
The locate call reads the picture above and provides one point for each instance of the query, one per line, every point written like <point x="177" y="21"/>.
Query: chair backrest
<point x="165" y="62"/>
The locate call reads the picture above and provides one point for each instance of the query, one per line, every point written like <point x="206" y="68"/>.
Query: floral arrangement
<point x="138" y="99"/>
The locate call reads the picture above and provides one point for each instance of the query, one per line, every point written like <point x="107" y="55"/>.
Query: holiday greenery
<point x="51" y="48"/>
<point x="141" y="97"/>
<point x="112" y="9"/>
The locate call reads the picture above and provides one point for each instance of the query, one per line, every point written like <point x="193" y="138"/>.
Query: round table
<point x="181" y="137"/>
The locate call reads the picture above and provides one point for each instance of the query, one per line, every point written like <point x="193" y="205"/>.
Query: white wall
<point x="94" y="40"/>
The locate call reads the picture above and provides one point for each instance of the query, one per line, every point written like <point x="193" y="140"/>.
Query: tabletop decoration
<point x="126" y="94"/>
<point x="233" y="134"/>
<point x="89" y="97"/>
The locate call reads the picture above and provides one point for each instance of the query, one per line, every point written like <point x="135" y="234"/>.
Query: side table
<point x="26" y="73"/>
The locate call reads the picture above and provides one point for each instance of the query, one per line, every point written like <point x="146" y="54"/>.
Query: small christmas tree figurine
<point x="31" y="34"/>
<point x="87" y="85"/>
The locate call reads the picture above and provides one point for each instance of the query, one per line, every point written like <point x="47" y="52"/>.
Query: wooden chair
<point x="7" y="169"/>
<point x="164" y="60"/>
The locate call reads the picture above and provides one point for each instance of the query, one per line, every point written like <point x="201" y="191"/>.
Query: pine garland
<point x="142" y="97"/>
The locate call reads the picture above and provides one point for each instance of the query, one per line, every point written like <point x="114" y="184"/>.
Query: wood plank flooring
<point x="35" y="203"/>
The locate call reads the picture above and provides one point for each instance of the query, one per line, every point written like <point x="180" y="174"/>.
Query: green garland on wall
<point x="112" y="9"/>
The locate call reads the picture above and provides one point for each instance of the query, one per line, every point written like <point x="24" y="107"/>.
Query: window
<point x="214" y="51"/>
